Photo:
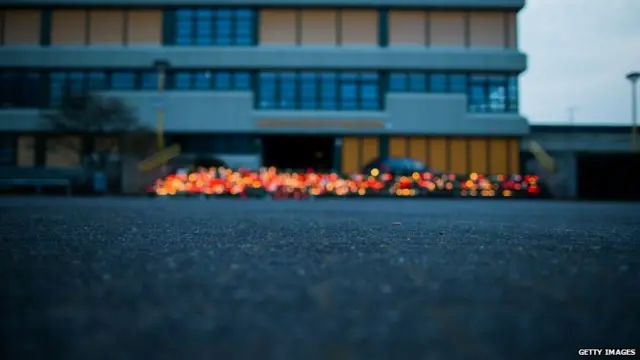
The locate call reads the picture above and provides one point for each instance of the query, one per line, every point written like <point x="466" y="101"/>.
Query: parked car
<point x="396" y="166"/>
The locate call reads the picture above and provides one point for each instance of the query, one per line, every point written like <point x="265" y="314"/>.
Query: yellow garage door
<point x="498" y="149"/>
<point x="437" y="154"/>
<point x="369" y="150"/>
<point x="398" y="146"/>
<point x="418" y="148"/>
<point x="478" y="151"/>
<point x="458" y="153"/>
<point x="350" y="154"/>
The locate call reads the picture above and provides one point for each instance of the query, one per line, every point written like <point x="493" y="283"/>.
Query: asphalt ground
<point x="133" y="278"/>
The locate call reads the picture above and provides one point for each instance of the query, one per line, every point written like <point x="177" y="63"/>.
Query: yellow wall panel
<point x="350" y="155"/>
<point x="512" y="28"/>
<point x="106" y="27"/>
<point x="498" y="161"/>
<point x="319" y="27"/>
<point x="418" y="149"/>
<point x="479" y="159"/>
<point x="21" y="27"/>
<point x="144" y="27"/>
<point x="69" y="27"/>
<point x="447" y="28"/>
<point x="398" y="146"/>
<point x="278" y="26"/>
<point x="370" y="149"/>
<point x="458" y="150"/>
<point x="63" y="152"/>
<point x="487" y="29"/>
<point x="438" y="154"/>
<point x="407" y="27"/>
<point x="26" y="151"/>
<point x="514" y="156"/>
<point x="359" y="27"/>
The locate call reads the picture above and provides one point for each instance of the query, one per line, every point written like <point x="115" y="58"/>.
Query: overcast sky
<point x="579" y="53"/>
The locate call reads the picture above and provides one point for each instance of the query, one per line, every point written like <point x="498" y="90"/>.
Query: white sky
<point x="579" y="52"/>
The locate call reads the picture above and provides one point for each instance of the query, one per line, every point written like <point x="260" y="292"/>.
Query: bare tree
<point x="108" y="119"/>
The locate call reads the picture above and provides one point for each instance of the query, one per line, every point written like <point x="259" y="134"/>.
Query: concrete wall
<point x="577" y="141"/>
<point x="563" y="183"/>
<point x="367" y="3"/>
<point x="197" y="112"/>
<point x="270" y="57"/>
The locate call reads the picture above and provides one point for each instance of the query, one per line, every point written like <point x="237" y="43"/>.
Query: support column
<point x="337" y="154"/>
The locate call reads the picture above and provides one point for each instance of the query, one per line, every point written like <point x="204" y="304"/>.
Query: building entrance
<point x="298" y="152"/>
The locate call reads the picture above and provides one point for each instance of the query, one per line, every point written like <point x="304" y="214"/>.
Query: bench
<point x="38" y="184"/>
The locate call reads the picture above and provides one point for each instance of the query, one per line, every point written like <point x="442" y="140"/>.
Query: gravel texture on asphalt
<point x="189" y="279"/>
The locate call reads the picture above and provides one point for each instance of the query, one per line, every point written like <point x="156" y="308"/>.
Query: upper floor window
<point x="214" y="27"/>
<point x="485" y="92"/>
<point x="79" y="82"/>
<point x="211" y="80"/>
<point x="427" y="82"/>
<point x="20" y="89"/>
<point x="319" y="91"/>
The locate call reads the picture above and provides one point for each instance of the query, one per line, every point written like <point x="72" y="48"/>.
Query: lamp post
<point x="161" y="67"/>
<point x="633" y="77"/>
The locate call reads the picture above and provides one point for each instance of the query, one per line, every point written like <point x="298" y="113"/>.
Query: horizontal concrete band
<point x="511" y="4"/>
<point x="363" y="58"/>
<point x="198" y="112"/>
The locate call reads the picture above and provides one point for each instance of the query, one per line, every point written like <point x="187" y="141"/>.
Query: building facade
<point x="436" y="80"/>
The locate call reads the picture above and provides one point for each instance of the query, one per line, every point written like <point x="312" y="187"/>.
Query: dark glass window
<point x="222" y="81"/>
<point x="398" y="82"/>
<point x="123" y="80"/>
<point x="21" y="89"/>
<point x="288" y="91"/>
<point x="485" y="92"/>
<point x="182" y="80"/>
<point x="309" y="91"/>
<point x="96" y="81"/>
<point x="417" y="82"/>
<point x="512" y="94"/>
<point x="478" y="98"/>
<point x="328" y="91"/>
<point x="8" y="149"/>
<point x="319" y="91"/>
<point x="242" y="81"/>
<point x="458" y="83"/>
<point x="202" y="80"/>
<point x="57" y="87"/>
<point x="438" y="83"/>
<point x="488" y="93"/>
<point x="76" y="83"/>
<point x="214" y="27"/>
<point x="149" y="80"/>
<point x="207" y="80"/>
<point x="267" y="89"/>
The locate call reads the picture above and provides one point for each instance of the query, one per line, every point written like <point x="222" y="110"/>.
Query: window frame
<point x="13" y="99"/>
<point x="234" y="28"/>
<point x="509" y="82"/>
<point x="320" y="81"/>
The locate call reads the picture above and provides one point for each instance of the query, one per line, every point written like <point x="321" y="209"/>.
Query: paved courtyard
<point x="134" y="278"/>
